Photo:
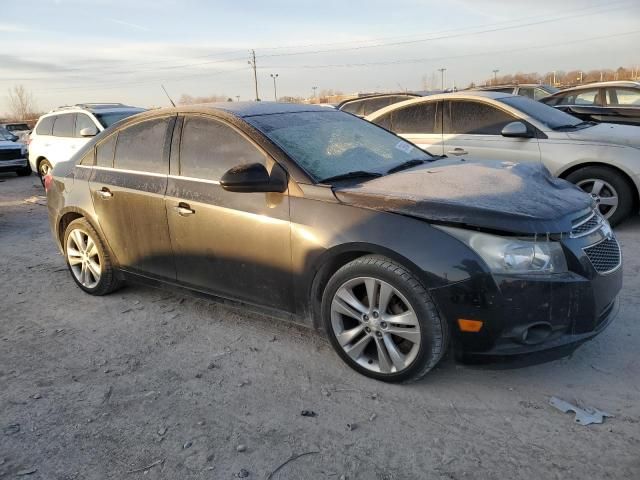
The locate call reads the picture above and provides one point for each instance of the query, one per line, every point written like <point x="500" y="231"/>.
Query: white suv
<point x="61" y="132"/>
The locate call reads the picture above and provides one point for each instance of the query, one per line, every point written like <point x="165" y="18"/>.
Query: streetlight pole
<point x="275" y="91"/>
<point x="237" y="98"/>
<point x="314" y="91"/>
<point x="442" y="70"/>
<point x="252" y="62"/>
<point x="495" y="76"/>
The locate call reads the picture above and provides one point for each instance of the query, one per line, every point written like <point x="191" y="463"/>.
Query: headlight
<point x="513" y="255"/>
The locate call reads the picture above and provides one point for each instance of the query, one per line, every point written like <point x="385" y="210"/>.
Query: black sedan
<point x="317" y="216"/>
<point x="610" y="102"/>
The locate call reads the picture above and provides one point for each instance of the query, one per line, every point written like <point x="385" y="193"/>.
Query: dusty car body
<point x="296" y="243"/>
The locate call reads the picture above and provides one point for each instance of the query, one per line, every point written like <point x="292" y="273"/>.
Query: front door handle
<point x="104" y="193"/>
<point x="184" y="209"/>
<point x="458" y="151"/>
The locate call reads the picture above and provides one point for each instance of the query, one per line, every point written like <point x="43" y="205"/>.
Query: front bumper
<point x="11" y="165"/>
<point x="568" y="308"/>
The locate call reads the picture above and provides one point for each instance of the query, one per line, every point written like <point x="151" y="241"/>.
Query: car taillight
<point x="48" y="180"/>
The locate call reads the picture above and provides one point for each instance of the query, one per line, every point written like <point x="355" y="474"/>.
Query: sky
<point x="73" y="51"/>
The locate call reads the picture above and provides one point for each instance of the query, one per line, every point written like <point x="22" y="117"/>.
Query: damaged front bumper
<point x="523" y="314"/>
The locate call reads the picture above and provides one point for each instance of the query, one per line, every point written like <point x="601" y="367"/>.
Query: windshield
<point x="108" y="119"/>
<point x="328" y="144"/>
<point x="7" y="136"/>
<point x="545" y="114"/>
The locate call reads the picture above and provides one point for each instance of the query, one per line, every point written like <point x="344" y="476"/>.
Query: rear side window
<point x="105" y="150"/>
<point x="419" y="118"/>
<point x="623" y="97"/>
<point x="64" y="125"/>
<point x="89" y="158"/>
<point x="209" y="148"/>
<point x="141" y="147"/>
<point x="83" y="121"/>
<point x="476" y="119"/>
<point x="45" y="126"/>
<point x="356" y="108"/>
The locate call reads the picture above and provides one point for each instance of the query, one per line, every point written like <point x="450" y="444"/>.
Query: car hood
<point x="503" y="196"/>
<point x="608" y="133"/>
<point x="9" y="144"/>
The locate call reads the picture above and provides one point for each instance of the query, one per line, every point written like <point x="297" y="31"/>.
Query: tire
<point x="43" y="167"/>
<point x="424" y="335"/>
<point x="607" y="184"/>
<point x="24" y="172"/>
<point x="76" y="236"/>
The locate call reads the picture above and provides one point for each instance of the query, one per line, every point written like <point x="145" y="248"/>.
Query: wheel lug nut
<point x="365" y="318"/>
<point x="375" y="314"/>
<point x="383" y="324"/>
<point x="378" y="334"/>
<point x="367" y="329"/>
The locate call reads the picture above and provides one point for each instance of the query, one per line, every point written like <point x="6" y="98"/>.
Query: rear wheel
<point x="88" y="259"/>
<point x="610" y="189"/>
<point x="381" y="320"/>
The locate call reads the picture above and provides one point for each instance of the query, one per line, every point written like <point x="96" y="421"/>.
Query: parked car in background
<point x="602" y="159"/>
<point x="611" y="102"/>
<point x="363" y="106"/>
<point x="60" y="133"/>
<point x="315" y="215"/>
<point x="13" y="155"/>
<point x="19" y="129"/>
<point x="534" y="91"/>
<point x="7" y="135"/>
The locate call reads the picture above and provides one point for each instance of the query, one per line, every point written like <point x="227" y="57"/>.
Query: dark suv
<point x="317" y="216"/>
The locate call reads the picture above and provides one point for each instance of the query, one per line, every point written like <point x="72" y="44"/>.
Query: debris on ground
<point x="148" y="467"/>
<point x="584" y="416"/>
<point x="26" y="471"/>
<point x="351" y="426"/>
<point x="372" y="417"/>
<point x="162" y="431"/>
<point x="242" y="473"/>
<point x="241" y="448"/>
<point x="308" y="413"/>
<point x="11" y="429"/>
<point x="187" y="445"/>
<point x="289" y="460"/>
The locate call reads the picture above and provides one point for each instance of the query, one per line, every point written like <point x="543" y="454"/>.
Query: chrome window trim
<point x="194" y="179"/>
<point x="122" y="170"/>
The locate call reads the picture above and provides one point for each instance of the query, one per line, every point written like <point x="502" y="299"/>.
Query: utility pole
<point x="554" y="78"/>
<point x="442" y="70"/>
<point x="314" y="91"/>
<point x="580" y="77"/>
<point x="237" y="98"/>
<point x="252" y="62"/>
<point x="495" y="76"/>
<point x="275" y="91"/>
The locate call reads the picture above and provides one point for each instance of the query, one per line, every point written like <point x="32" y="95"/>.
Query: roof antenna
<point x="168" y="96"/>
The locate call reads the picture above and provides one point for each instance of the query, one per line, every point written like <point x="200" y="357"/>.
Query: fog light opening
<point x="536" y="333"/>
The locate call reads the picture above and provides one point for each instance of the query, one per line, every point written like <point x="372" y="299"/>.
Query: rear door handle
<point x="458" y="151"/>
<point x="104" y="193"/>
<point x="184" y="209"/>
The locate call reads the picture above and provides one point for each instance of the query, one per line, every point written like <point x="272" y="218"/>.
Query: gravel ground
<point x="144" y="383"/>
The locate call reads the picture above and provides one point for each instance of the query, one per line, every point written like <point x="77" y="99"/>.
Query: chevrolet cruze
<point x="319" y="217"/>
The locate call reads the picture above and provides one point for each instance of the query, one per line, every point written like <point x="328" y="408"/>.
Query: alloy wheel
<point x="44" y="168"/>
<point x="604" y="193"/>
<point x="83" y="258"/>
<point x="375" y="325"/>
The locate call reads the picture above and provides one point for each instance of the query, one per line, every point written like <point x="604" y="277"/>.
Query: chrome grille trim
<point x="605" y="256"/>
<point x="586" y="225"/>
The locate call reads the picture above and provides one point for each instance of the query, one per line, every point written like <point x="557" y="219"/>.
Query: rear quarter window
<point x="45" y="126"/>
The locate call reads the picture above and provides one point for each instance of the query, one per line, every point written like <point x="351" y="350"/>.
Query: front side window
<point x="475" y="118"/>
<point x="45" y="126"/>
<point x="541" y="112"/>
<point x="209" y="148"/>
<point x="105" y="150"/>
<point x="64" y="124"/>
<point x="141" y="146"/>
<point x="83" y="121"/>
<point x="356" y="108"/>
<point x="629" y="97"/>
<point x="582" y="97"/>
<point x="327" y="144"/>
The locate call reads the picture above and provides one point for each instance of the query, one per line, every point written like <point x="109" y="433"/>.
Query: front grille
<point x="586" y="225"/>
<point x="11" y="154"/>
<point x="604" y="256"/>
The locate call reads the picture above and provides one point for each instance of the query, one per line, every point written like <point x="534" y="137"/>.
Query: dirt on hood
<point x="516" y="198"/>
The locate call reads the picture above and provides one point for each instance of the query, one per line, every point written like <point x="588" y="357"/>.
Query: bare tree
<point x="186" y="99"/>
<point x="22" y="105"/>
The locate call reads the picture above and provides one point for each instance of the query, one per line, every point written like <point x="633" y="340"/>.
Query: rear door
<point x="128" y="185"/>
<point x="420" y="123"/>
<point x="475" y="128"/>
<point x="236" y="245"/>
<point x="59" y="147"/>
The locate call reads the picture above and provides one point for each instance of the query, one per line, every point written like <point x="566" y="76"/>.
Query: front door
<point x="128" y="186"/>
<point x="475" y="129"/>
<point x="236" y="245"/>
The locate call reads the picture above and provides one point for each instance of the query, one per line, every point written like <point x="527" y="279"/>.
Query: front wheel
<point x="609" y="188"/>
<point x="88" y="259"/>
<point x="381" y="320"/>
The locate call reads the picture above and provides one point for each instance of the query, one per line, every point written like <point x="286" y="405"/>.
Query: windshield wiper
<point x="408" y="164"/>
<point x="349" y="175"/>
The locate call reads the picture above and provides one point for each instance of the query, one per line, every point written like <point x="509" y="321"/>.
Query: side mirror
<point x="253" y="177"/>
<point x="89" y="132"/>
<point x="516" y="130"/>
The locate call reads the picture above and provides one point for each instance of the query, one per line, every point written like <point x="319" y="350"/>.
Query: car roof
<point x="615" y="83"/>
<point x="243" y="109"/>
<point x="95" y="108"/>
<point x="377" y="95"/>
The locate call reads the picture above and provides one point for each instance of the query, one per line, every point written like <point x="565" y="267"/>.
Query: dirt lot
<point x="102" y="387"/>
